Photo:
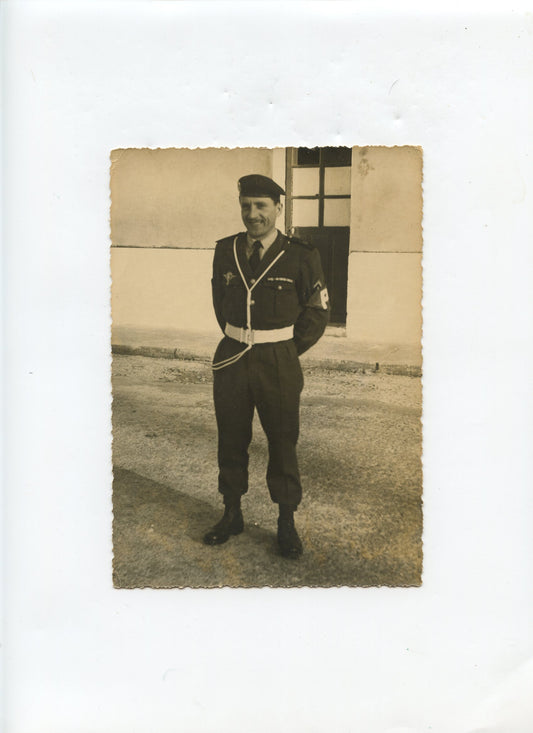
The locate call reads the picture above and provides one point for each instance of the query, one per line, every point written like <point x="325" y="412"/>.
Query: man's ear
<point x="280" y="209"/>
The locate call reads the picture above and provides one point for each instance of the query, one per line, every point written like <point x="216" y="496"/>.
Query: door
<point x="318" y="211"/>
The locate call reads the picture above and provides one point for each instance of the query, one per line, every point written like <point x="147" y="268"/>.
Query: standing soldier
<point x="271" y="302"/>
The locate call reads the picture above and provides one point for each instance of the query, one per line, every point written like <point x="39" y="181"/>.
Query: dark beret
<point x="256" y="185"/>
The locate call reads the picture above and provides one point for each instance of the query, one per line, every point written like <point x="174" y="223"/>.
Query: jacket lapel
<point x="271" y="253"/>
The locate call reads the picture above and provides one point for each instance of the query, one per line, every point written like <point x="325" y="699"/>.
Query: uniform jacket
<point x="293" y="291"/>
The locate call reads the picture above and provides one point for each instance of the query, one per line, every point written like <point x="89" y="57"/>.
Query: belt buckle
<point x="247" y="336"/>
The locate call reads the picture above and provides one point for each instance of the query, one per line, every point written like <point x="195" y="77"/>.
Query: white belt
<point x="259" y="336"/>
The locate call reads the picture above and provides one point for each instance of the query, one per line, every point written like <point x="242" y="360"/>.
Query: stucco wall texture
<point x="179" y="197"/>
<point x="385" y="262"/>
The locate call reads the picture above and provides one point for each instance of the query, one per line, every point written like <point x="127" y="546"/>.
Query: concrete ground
<point x="360" y="446"/>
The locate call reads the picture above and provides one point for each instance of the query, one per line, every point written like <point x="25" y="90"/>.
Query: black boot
<point x="231" y="524"/>
<point x="289" y="543"/>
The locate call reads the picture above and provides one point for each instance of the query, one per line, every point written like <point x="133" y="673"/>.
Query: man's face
<point x="259" y="215"/>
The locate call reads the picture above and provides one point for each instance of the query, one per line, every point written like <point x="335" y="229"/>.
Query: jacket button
<point x="252" y="280"/>
<point x="252" y="302"/>
<point x="279" y="287"/>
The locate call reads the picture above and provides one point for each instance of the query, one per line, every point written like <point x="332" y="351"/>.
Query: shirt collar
<point x="266" y="241"/>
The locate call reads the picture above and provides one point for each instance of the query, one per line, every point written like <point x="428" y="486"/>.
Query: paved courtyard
<point x="361" y="517"/>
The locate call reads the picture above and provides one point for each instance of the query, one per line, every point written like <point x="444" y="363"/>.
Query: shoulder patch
<point x="319" y="298"/>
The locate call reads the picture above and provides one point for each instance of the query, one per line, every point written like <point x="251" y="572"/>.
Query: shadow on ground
<point x="157" y="537"/>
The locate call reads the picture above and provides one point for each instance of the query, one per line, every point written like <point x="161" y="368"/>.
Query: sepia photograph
<point x="266" y="339"/>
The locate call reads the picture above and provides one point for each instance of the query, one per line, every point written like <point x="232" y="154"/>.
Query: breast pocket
<point x="282" y="298"/>
<point x="235" y="302"/>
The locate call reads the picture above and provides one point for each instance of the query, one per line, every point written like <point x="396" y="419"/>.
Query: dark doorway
<point x="318" y="211"/>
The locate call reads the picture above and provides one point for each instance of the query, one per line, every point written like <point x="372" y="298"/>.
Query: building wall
<point x="179" y="197"/>
<point x="385" y="261"/>
<point x="162" y="289"/>
<point x="384" y="298"/>
<point x="167" y="208"/>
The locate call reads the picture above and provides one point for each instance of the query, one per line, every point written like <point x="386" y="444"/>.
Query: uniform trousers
<point x="269" y="378"/>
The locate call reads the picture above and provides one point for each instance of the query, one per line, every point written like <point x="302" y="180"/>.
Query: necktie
<point x="255" y="257"/>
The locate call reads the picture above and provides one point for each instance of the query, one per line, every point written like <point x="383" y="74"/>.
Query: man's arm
<point x="217" y="288"/>
<point x="313" y="319"/>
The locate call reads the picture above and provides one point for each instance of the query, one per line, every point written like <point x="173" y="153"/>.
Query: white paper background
<point x="454" y="655"/>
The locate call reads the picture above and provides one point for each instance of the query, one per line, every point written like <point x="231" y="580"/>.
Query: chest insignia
<point x="228" y="277"/>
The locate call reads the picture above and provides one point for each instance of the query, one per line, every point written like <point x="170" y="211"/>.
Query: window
<point x="320" y="183"/>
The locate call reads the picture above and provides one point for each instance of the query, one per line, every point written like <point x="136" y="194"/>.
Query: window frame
<point x="291" y="162"/>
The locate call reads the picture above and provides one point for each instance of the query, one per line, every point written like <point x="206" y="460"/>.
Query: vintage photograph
<point x="266" y="378"/>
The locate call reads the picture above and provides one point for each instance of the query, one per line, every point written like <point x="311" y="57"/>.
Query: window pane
<point x="337" y="156"/>
<point x="337" y="212"/>
<point x="305" y="181"/>
<point x="308" y="156"/>
<point x="337" y="181"/>
<point x="304" y="213"/>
